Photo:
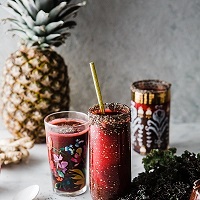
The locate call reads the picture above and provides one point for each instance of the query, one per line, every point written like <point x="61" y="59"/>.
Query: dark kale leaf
<point x="157" y="158"/>
<point x="166" y="177"/>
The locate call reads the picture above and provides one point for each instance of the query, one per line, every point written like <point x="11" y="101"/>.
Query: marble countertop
<point x="35" y="170"/>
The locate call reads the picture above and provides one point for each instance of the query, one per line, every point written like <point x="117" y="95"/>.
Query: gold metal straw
<point x="97" y="88"/>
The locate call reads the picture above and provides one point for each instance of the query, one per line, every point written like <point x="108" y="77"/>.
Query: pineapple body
<point x="35" y="83"/>
<point x="35" y="78"/>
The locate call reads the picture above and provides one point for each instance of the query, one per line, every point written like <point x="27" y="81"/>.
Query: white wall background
<point x="131" y="40"/>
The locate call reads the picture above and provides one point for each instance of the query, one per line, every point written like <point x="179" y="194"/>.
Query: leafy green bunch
<point x="167" y="176"/>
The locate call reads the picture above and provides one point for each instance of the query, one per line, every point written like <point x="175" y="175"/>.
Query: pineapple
<point x="35" y="77"/>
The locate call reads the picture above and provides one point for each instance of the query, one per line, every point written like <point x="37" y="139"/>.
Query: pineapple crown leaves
<point x="42" y="23"/>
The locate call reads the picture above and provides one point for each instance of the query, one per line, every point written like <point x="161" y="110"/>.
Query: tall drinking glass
<point x="110" y="152"/>
<point x="66" y="137"/>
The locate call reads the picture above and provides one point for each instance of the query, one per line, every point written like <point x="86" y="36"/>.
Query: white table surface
<point x="35" y="170"/>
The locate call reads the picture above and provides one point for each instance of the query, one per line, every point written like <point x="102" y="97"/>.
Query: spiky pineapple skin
<point x="35" y="83"/>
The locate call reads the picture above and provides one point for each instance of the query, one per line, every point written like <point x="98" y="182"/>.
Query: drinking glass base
<point x="70" y="194"/>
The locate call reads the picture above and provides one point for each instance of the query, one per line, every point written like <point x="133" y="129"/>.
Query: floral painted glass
<point x="195" y="195"/>
<point x="66" y="137"/>
<point x="110" y="151"/>
<point x="150" y="112"/>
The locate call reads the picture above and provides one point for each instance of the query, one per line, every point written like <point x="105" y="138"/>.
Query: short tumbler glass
<point x="67" y="141"/>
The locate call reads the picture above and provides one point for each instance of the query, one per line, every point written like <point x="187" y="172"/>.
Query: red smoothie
<point x="67" y="151"/>
<point x="110" y="153"/>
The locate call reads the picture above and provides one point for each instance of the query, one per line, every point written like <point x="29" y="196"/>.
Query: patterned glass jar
<point x="150" y="114"/>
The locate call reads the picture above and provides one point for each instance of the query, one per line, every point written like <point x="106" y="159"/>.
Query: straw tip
<point x="91" y="63"/>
